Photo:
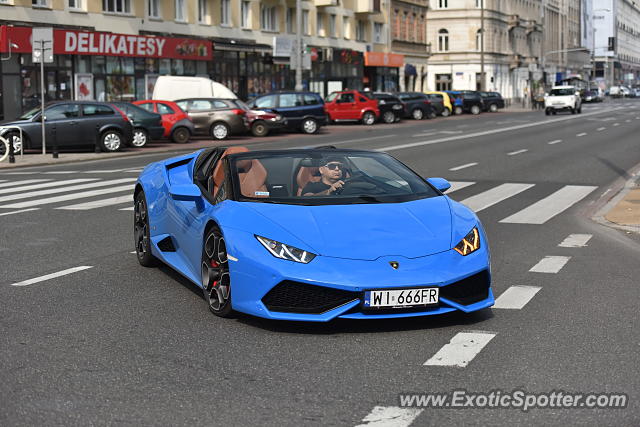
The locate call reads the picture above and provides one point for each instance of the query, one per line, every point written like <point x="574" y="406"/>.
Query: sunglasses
<point x="334" y="166"/>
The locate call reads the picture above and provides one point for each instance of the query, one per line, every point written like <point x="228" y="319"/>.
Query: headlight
<point x="469" y="244"/>
<point x="381" y="102"/>
<point x="282" y="251"/>
<point x="278" y="117"/>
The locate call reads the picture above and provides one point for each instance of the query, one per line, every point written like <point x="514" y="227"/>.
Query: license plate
<point x="401" y="298"/>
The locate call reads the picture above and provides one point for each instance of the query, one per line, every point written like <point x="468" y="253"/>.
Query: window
<point x="290" y="17"/>
<point x="345" y="27"/>
<point x="225" y="12"/>
<point x="165" y="109"/>
<point x="203" y="15"/>
<point x="96" y="110"/>
<point x="180" y="15"/>
<point x="309" y="99"/>
<point x="40" y="3"/>
<point x="332" y="26"/>
<point x="76" y="4"/>
<point x="289" y="100"/>
<point x="245" y="14"/>
<point x="478" y="40"/>
<point x="443" y="40"/>
<point x="443" y="4"/>
<point x="147" y="106"/>
<point x="320" y="25"/>
<point x="347" y="97"/>
<point x="116" y="6"/>
<point x="305" y="23"/>
<point x="268" y="101"/>
<point x="479" y="3"/>
<point x="377" y="32"/>
<point x="61" y="112"/>
<point x="360" y="31"/>
<point x="269" y="18"/>
<point x="154" y="8"/>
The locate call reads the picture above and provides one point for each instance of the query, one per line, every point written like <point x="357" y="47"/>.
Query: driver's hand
<point x="336" y="186"/>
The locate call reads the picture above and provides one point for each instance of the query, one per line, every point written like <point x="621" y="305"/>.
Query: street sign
<point x="42" y="41"/>
<point x="533" y="67"/>
<point x="283" y="46"/>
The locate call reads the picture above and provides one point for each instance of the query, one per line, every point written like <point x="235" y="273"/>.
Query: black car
<point x="146" y="126"/>
<point x="491" y="101"/>
<point x="73" y="124"/>
<point x="391" y="108"/>
<point x="417" y="105"/>
<point x="304" y="111"/>
<point x="466" y="101"/>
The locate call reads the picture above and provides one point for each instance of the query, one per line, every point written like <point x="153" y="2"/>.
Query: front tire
<point x="309" y="126"/>
<point x="368" y="118"/>
<point x="141" y="234"/>
<point x="457" y="110"/>
<point x="216" y="280"/>
<point x="417" y="114"/>
<point x="220" y="131"/>
<point x="111" y="141"/>
<point x="140" y="138"/>
<point x="259" y="128"/>
<point x="493" y="108"/>
<point x="388" y="117"/>
<point x="475" y="110"/>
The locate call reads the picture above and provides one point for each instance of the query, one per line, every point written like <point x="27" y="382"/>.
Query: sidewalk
<point x="627" y="211"/>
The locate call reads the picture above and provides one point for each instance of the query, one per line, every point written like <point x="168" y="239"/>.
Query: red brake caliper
<point x="214" y="264"/>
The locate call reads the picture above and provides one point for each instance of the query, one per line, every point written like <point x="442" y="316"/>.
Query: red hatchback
<point x="177" y="125"/>
<point x="351" y="105"/>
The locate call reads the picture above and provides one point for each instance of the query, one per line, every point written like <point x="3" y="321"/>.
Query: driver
<point x="331" y="174"/>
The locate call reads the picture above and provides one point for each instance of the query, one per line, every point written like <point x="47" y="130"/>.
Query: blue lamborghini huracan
<point x="312" y="234"/>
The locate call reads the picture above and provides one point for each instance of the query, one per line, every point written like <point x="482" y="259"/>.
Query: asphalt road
<point x="120" y="344"/>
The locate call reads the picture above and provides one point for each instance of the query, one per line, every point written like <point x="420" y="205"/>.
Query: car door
<point x="62" y="122"/>
<point x="169" y="116"/>
<point x="201" y="112"/>
<point x="345" y="106"/>
<point x="289" y="106"/>
<point x="94" y="117"/>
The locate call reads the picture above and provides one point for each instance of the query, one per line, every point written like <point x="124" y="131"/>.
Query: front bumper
<point x="329" y="288"/>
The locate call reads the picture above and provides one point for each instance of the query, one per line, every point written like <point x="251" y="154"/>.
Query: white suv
<point x="563" y="98"/>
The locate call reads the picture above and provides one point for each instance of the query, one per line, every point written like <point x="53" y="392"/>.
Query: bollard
<point x="55" y="143"/>
<point x="12" y="157"/>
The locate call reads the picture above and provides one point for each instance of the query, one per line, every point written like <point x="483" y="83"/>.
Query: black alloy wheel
<point x="142" y="238"/>
<point x="216" y="280"/>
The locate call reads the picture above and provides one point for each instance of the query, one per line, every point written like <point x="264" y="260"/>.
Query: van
<point x="170" y="88"/>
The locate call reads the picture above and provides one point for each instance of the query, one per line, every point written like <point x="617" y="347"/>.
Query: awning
<point x="382" y="59"/>
<point x="410" y="70"/>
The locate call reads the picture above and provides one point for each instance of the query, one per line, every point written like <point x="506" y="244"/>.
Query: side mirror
<point x="185" y="192"/>
<point x="440" y="183"/>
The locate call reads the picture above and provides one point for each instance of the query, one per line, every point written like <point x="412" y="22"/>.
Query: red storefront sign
<point x="73" y="42"/>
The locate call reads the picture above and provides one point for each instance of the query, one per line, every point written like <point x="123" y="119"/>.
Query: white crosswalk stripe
<point x="495" y="195"/>
<point x="550" y="264"/>
<point x="99" y="203"/>
<point x="516" y="297"/>
<point x="31" y="194"/>
<point x="45" y="185"/>
<point x="461" y="350"/>
<point x="23" y="182"/>
<point x="575" y="241"/>
<point x="458" y="185"/>
<point x="390" y="416"/>
<point x="66" y="197"/>
<point x="552" y="205"/>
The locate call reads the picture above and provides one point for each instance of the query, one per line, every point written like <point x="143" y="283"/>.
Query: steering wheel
<point x="359" y="183"/>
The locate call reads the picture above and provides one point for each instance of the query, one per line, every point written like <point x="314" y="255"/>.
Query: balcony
<point x="532" y="27"/>
<point x="515" y="61"/>
<point x="513" y="21"/>
<point x="367" y="6"/>
<point x="325" y="3"/>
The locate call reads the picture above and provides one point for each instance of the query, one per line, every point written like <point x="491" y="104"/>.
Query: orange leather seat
<point x="251" y="174"/>
<point x="218" y="171"/>
<point x="307" y="174"/>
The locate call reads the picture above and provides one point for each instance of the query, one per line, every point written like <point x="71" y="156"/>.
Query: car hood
<point x="13" y="122"/>
<point x="367" y="231"/>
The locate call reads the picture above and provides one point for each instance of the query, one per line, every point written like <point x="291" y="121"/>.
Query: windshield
<point x="242" y="105"/>
<point x="321" y="177"/>
<point x="30" y="114"/>
<point x="562" y="92"/>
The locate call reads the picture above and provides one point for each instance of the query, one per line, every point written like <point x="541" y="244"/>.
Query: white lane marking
<point x="99" y="203"/>
<point x="488" y="132"/>
<point x="359" y="140"/>
<point x="616" y="124"/>
<point x="45" y="185"/>
<point x="461" y="350"/>
<point x="495" y="195"/>
<point x="467" y="165"/>
<point x="20" y="173"/>
<point x="52" y="275"/>
<point x="390" y="416"/>
<point x="59" y="172"/>
<point x="575" y="241"/>
<point x="133" y="170"/>
<point x="555" y="141"/>
<point x="20" y="211"/>
<point x="581" y="134"/>
<point x="552" y="205"/>
<point x="3" y="180"/>
<point x="601" y="129"/>
<point x="65" y="189"/>
<point x="73" y="196"/>
<point x="130" y="208"/>
<point x="23" y="182"/>
<point x="513" y="153"/>
<point x="450" y="132"/>
<point x="418" y="135"/>
<point x="550" y="264"/>
<point x="458" y="185"/>
<point x="516" y="297"/>
<point x="104" y="171"/>
<point x="627" y="121"/>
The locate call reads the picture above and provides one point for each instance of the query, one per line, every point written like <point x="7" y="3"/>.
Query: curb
<point x="616" y="193"/>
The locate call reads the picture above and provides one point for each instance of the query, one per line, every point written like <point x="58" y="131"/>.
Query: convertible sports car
<point x="312" y="234"/>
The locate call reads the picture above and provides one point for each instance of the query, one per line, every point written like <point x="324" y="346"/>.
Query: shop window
<point x="443" y="40"/>
<point x="120" y="88"/>
<point x="116" y="6"/>
<point x="177" y="67"/>
<point x="269" y="18"/>
<point x="154" y="9"/>
<point x="225" y="12"/>
<point x="165" y="66"/>
<point x="96" y="110"/>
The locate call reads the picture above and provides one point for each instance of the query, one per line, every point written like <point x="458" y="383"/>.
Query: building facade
<point x="230" y="41"/>
<point x="408" y="24"/>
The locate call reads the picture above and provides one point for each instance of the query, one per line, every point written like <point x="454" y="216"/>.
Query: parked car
<point x="172" y="88"/>
<point x="217" y="118"/>
<point x="177" y="125"/>
<point x="441" y="102"/>
<point x="562" y="98"/>
<point x="619" y="91"/>
<point x="72" y="124"/>
<point x="391" y="108"/>
<point x="466" y="101"/>
<point x="418" y="105"/>
<point x="304" y="111"/>
<point x="352" y="105"/>
<point x="262" y="122"/>
<point x="147" y="126"/>
<point x="592" y="95"/>
<point x="491" y="101"/>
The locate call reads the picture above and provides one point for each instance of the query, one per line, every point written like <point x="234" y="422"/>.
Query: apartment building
<point x="408" y="22"/>
<point x="116" y="49"/>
